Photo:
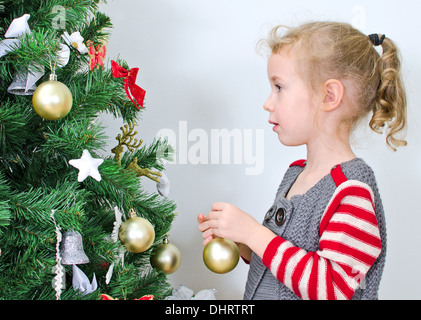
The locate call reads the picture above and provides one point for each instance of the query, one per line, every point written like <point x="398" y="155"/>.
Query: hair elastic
<point x="376" y="40"/>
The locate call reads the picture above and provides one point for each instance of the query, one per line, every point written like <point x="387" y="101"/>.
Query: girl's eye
<point x="278" y="87"/>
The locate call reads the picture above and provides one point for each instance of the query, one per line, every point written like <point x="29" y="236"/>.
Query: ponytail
<point x="389" y="108"/>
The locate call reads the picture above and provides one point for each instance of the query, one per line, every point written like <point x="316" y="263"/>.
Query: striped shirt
<point x="349" y="244"/>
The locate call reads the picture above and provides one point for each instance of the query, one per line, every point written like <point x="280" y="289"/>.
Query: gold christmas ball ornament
<point x="136" y="234"/>
<point x="221" y="255"/>
<point x="52" y="100"/>
<point x="167" y="257"/>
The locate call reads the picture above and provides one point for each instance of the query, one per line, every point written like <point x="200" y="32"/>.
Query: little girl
<point x="324" y="236"/>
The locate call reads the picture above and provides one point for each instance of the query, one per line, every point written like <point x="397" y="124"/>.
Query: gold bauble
<point x="137" y="234"/>
<point x="52" y="100"/>
<point x="167" y="257"/>
<point x="221" y="255"/>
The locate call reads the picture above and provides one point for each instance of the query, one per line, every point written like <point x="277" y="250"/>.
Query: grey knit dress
<point x="302" y="218"/>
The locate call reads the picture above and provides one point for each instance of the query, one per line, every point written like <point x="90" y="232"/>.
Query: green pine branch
<point x="4" y="202"/>
<point x="36" y="178"/>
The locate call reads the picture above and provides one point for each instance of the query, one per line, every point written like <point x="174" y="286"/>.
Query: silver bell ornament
<point x="24" y="81"/>
<point x="71" y="249"/>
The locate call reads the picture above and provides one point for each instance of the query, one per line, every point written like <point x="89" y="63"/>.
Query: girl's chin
<point x="289" y="142"/>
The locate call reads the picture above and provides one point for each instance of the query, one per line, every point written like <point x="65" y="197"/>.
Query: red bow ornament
<point x="97" y="54"/>
<point x="132" y="89"/>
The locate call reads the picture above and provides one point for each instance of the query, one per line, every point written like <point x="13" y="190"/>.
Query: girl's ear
<point x="333" y="93"/>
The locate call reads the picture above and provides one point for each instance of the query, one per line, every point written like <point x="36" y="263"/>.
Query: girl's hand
<point x="227" y="221"/>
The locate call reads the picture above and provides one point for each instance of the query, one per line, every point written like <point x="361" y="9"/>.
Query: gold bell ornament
<point x="221" y="255"/>
<point x="136" y="234"/>
<point x="167" y="257"/>
<point x="52" y="100"/>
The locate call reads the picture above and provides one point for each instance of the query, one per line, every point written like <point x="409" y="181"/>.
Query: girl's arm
<point x="349" y="245"/>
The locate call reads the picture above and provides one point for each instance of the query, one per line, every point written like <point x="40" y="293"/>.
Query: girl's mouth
<point x="275" y="125"/>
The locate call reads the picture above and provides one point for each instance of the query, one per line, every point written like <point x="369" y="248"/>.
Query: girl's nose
<point x="267" y="105"/>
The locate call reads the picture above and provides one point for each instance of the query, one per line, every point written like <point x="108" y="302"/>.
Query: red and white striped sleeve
<point x="349" y="245"/>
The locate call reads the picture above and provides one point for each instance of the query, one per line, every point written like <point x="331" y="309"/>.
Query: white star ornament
<point x="87" y="166"/>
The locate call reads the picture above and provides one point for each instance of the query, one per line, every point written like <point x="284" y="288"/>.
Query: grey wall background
<point x="200" y="69"/>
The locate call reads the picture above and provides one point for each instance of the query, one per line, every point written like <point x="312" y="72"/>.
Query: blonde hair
<point x="338" y="50"/>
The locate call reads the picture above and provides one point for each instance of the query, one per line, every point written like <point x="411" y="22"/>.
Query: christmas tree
<point x="60" y="203"/>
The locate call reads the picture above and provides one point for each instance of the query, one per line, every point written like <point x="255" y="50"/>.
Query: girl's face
<point x="290" y="104"/>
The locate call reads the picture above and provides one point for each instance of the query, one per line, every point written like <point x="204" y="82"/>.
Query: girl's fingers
<point x="201" y="218"/>
<point x="206" y="234"/>
<point x="218" y="206"/>
<point x="213" y="215"/>
<point x="208" y="224"/>
<point x="207" y="240"/>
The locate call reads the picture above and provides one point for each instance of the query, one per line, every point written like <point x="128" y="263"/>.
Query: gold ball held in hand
<point x="221" y="255"/>
<point x="136" y="234"/>
<point x="52" y="100"/>
<point x="166" y="257"/>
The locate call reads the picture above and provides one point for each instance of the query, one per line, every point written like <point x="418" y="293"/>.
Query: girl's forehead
<point x="280" y="64"/>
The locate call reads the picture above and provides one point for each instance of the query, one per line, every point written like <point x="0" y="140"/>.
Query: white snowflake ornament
<point x="87" y="166"/>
